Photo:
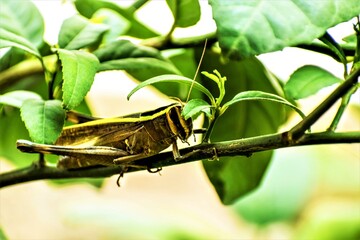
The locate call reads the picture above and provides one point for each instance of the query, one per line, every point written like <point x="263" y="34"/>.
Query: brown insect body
<point x="138" y="135"/>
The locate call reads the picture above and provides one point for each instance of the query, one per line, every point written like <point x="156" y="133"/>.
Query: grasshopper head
<point x="178" y="125"/>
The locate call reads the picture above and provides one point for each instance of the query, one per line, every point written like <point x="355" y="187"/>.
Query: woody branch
<point x="241" y="147"/>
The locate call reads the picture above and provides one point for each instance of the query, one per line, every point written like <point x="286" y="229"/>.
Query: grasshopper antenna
<point x="197" y="70"/>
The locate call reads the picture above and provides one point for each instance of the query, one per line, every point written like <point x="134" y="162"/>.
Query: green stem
<point x="21" y="70"/>
<point x="137" y="5"/>
<point x="336" y="48"/>
<point x="24" y="69"/>
<point x="356" y="63"/>
<point x="322" y="48"/>
<point x="344" y="102"/>
<point x="210" y="128"/>
<point x="240" y="147"/>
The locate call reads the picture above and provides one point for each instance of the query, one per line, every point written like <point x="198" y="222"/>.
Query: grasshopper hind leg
<point x="66" y="162"/>
<point x="71" y="162"/>
<point x="129" y="158"/>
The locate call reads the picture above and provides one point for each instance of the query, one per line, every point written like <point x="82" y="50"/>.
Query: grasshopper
<point x="118" y="140"/>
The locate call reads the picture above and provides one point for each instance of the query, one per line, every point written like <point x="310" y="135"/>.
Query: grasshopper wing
<point x="104" y="132"/>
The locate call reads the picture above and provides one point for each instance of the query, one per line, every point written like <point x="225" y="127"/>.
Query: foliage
<point x="91" y="42"/>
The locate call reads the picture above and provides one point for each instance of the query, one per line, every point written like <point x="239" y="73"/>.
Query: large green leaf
<point x="186" y="12"/>
<point x="12" y="57"/>
<point x="139" y="61"/>
<point x="195" y="107"/>
<point x="125" y="49"/>
<point x="246" y="28"/>
<point x="17" y="98"/>
<point x="350" y="41"/>
<point x="261" y="96"/>
<point x="180" y="59"/>
<point x="23" y="19"/>
<point x="21" y="26"/>
<point x="118" y="25"/>
<point x="9" y="39"/>
<point x="133" y="65"/>
<point x="307" y="81"/>
<point x="183" y="59"/>
<point x="88" y="7"/>
<point x="233" y="177"/>
<point x="168" y="78"/>
<point x="2" y="234"/>
<point x="12" y="129"/>
<point x="43" y="119"/>
<point x="77" y="32"/>
<point x="79" y="70"/>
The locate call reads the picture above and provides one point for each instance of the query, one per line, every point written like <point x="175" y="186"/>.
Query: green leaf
<point x="22" y="19"/>
<point x="307" y="81"/>
<point x="139" y="61"/>
<point x="118" y="25"/>
<point x="2" y="234"/>
<point x="334" y="47"/>
<point x="12" y="129"/>
<point x="233" y="177"/>
<point x="12" y="57"/>
<point x="350" y="40"/>
<point x="172" y="79"/>
<point x="9" y="39"/>
<point x="183" y="59"/>
<point x="195" y="107"/>
<point x="125" y="49"/>
<point x="259" y="95"/>
<point x="17" y="98"/>
<point x="247" y="28"/>
<point x="79" y="70"/>
<point x="78" y="32"/>
<point x="88" y="7"/>
<point x="159" y="68"/>
<point x="139" y="64"/>
<point x="43" y="119"/>
<point x="186" y="12"/>
<point x="217" y="78"/>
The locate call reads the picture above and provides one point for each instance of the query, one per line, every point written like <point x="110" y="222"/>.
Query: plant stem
<point x="344" y="102"/>
<point x="322" y="48"/>
<point x="243" y="147"/>
<point x="24" y="69"/>
<point x="137" y="4"/>
<point x="210" y="128"/>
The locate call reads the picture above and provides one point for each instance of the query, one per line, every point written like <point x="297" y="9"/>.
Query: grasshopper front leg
<point x="131" y="158"/>
<point x="175" y="151"/>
